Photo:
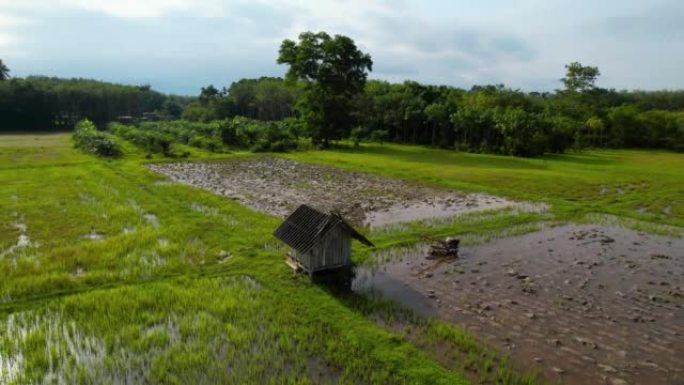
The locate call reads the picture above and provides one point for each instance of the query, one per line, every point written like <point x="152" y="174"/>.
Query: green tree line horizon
<point x="327" y="92"/>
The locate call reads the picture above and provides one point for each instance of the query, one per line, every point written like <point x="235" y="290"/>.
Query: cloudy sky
<point x="180" y="45"/>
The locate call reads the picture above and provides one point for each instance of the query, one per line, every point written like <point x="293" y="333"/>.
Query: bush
<point x="88" y="138"/>
<point x="522" y="132"/>
<point x="273" y="137"/>
<point x="357" y="135"/>
<point x="151" y="140"/>
<point x="206" y="142"/>
<point x="239" y="132"/>
<point x="379" y="136"/>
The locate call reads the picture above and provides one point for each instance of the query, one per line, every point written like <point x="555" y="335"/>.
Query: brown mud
<point x="277" y="186"/>
<point x="583" y="304"/>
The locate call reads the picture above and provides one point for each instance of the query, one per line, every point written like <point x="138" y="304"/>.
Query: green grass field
<point x="112" y="274"/>
<point x="645" y="185"/>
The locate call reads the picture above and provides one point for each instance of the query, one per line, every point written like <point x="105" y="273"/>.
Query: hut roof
<point x="306" y="226"/>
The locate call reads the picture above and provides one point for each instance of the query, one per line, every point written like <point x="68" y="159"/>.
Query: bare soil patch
<point x="277" y="186"/>
<point x="584" y="304"/>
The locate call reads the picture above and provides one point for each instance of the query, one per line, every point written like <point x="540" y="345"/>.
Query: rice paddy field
<point x="113" y="273"/>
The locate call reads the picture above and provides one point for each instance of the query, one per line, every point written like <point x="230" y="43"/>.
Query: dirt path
<point x="584" y="304"/>
<point x="277" y="186"/>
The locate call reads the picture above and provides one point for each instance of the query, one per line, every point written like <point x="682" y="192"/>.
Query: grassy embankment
<point x="642" y="185"/>
<point x="185" y="286"/>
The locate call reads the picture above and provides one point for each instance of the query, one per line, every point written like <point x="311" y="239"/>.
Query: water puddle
<point x="152" y="260"/>
<point x="21" y="227"/>
<point x="23" y="241"/>
<point x="93" y="235"/>
<point x="134" y="205"/>
<point x="151" y="219"/>
<point x="223" y="256"/>
<point x="79" y="272"/>
<point x="200" y="208"/>
<point x="75" y="348"/>
<point x="375" y="283"/>
<point x="87" y="199"/>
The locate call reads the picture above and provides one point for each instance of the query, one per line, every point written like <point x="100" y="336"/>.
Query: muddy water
<point x="583" y="304"/>
<point x="376" y="283"/>
<point x="277" y="186"/>
<point x="437" y="207"/>
<point x="23" y="241"/>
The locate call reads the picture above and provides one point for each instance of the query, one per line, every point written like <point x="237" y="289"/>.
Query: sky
<point x="178" y="46"/>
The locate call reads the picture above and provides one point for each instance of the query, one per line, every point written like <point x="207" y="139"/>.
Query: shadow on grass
<point x="592" y="159"/>
<point x="445" y="157"/>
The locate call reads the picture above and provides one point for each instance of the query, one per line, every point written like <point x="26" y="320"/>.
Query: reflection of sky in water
<point x="375" y="283"/>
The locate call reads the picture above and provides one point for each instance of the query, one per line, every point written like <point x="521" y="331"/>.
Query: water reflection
<point x="373" y="282"/>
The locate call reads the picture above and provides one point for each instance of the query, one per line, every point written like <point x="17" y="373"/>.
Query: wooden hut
<point x="319" y="241"/>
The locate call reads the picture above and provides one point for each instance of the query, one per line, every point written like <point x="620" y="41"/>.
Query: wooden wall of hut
<point x="331" y="251"/>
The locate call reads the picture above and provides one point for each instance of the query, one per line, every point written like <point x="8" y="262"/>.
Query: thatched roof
<point x="306" y="226"/>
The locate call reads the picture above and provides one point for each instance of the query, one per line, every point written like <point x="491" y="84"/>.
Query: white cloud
<point x="8" y="24"/>
<point x="523" y="43"/>
<point x="122" y="8"/>
<point x="7" y="20"/>
<point x="5" y="40"/>
<point x="149" y="8"/>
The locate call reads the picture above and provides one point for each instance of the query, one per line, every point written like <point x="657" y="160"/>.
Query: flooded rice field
<point x="277" y="186"/>
<point x="583" y="304"/>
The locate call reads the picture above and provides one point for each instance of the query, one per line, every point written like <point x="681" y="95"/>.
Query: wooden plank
<point x="294" y="264"/>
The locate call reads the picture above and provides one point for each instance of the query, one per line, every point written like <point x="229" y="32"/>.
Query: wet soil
<point x="583" y="304"/>
<point x="277" y="186"/>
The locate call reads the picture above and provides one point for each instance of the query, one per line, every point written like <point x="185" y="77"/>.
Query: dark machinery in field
<point x="447" y="248"/>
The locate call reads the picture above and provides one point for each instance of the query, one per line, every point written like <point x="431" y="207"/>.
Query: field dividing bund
<point x="113" y="273"/>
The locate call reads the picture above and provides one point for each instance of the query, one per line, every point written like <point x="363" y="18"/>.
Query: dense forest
<point x="328" y="100"/>
<point x="48" y="103"/>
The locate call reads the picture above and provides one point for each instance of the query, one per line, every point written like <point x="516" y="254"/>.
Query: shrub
<point x="205" y="142"/>
<point x="151" y="140"/>
<point x="239" y="132"/>
<point x="379" y="136"/>
<point x="88" y="138"/>
<point x="357" y="134"/>
<point x="274" y="137"/>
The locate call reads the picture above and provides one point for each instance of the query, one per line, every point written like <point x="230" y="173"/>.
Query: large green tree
<point x="580" y="78"/>
<point x="333" y="70"/>
<point x="4" y="71"/>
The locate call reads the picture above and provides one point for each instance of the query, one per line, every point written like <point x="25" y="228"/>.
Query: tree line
<point x="327" y="97"/>
<point x="502" y="120"/>
<point x="328" y="91"/>
<point x="266" y="98"/>
<point x="49" y="103"/>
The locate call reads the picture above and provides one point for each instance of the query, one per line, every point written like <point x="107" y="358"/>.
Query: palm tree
<point x="4" y="71"/>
